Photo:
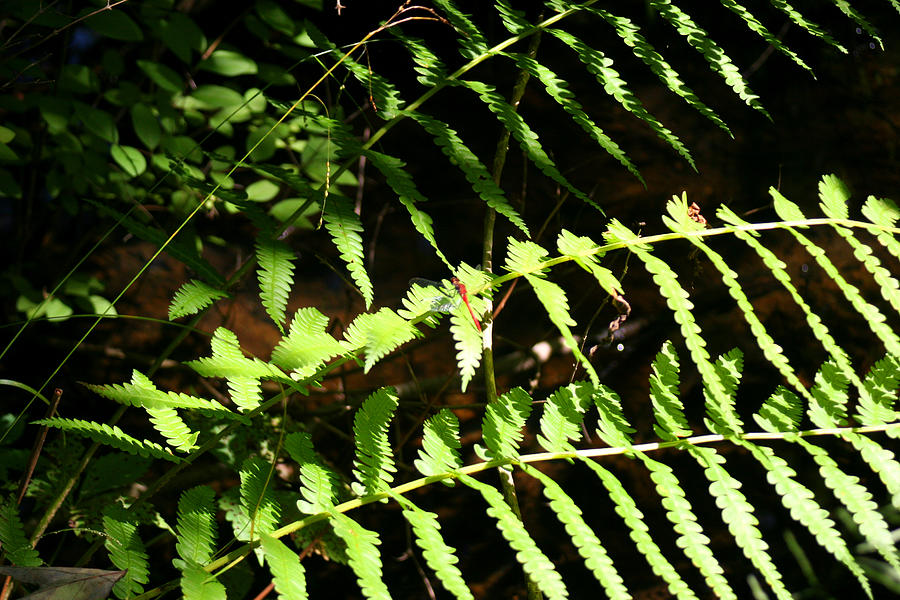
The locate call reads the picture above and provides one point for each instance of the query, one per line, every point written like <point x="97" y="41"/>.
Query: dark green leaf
<point x="115" y="24"/>
<point x="145" y="125"/>
<point x="162" y="75"/>
<point x="229" y="64"/>
<point x="130" y="159"/>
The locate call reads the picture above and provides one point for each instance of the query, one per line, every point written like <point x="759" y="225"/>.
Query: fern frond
<point x="781" y="412"/>
<point x="876" y="406"/>
<point x="595" y="556"/>
<point x="374" y="465"/>
<point x="474" y="171"/>
<point x="141" y="392"/>
<point x="882" y="462"/>
<point x="630" y="34"/>
<point x="197" y="584"/>
<point x="344" y="226"/>
<point x="883" y="212"/>
<point x="318" y="483"/>
<point x="612" y="427"/>
<point x="196" y="528"/>
<point x="690" y="534"/>
<point x="513" y="122"/>
<point x="440" y="557"/>
<point x="563" y="417"/>
<point x="535" y="563"/>
<point x="558" y="90"/>
<point x="472" y="42"/>
<point x="288" y="573"/>
<point x="874" y="318"/>
<point x="584" y="252"/>
<point x="377" y="334"/>
<point x="409" y="195"/>
<point x="600" y="66"/>
<point x="737" y="513"/>
<point x="639" y="533"/>
<point x="469" y="342"/>
<point x="802" y="21"/>
<point x="677" y="299"/>
<point x="525" y="258"/>
<point x="257" y="500"/>
<point x="722" y="417"/>
<point x="111" y="436"/>
<point x="668" y="409"/>
<point x="16" y="548"/>
<point x="860" y="20"/>
<point x="440" y="445"/>
<point x="192" y="297"/>
<point x="307" y="345"/>
<point x="502" y="425"/>
<point x="362" y="551"/>
<point x="275" y="272"/>
<point x="757" y="27"/>
<point x="126" y="552"/>
<point x="834" y="195"/>
<point x="778" y="270"/>
<point x="714" y="55"/>
<point x="804" y="509"/>
<point x="858" y="501"/>
<point x="166" y="421"/>
<point x="828" y="407"/>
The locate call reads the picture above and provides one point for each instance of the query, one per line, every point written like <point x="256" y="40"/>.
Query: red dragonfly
<point x="442" y="303"/>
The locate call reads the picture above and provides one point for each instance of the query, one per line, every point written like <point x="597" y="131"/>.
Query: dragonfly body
<point x="445" y="304"/>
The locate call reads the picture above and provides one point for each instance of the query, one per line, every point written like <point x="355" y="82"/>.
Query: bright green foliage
<point x="563" y="415"/>
<point x="196" y="526"/>
<point x="344" y="226"/>
<point x="362" y="550"/>
<point x="613" y="427"/>
<point x="16" y="548"/>
<point x="126" y="552"/>
<point x="440" y="445"/>
<point x="585" y="253"/>
<point x="197" y="584"/>
<point x="193" y="297"/>
<point x="377" y="334"/>
<point x="111" y="436"/>
<point x="876" y="406"/>
<point x="288" y="573"/>
<point x="259" y="504"/>
<point x="307" y="345"/>
<point x="536" y="564"/>
<point x="503" y="424"/>
<point x="374" y="462"/>
<point x="276" y="274"/>
<point x="318" y="483"/>
<point x="668" y="408"/>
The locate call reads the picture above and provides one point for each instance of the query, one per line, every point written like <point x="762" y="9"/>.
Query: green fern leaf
<point x="257" y="500"/>
<point x="362" y="551"/>
<point x="440" y="445"/>
<point x="472" y="42"/>
<point x="344" y="226"/>
<point x="111" y="436"/>
<point x="374" y="465"/>
<point x="563" y="417"/>
<point x="288" y="573"/>
<point x="677" y="300"/>
<point x="535" y="563"/>
<point x="858" y="501"/>
<point x="881" y="461"/>
<point x="600" y="66"/>
<point x="525" y="258"/>
<point x="586" y="542"/>
<point x="426" y="63"/>
<point x="639" y="533"/>
<point x="722" y="418"/>
<point x="276" y="275"/>
<point x="779" y="272"/>
<point x="757" y="27"/>
<point x="197" y="584"/>
<point x="613" y="427"/>
<point x="828" y="407"/>
<point x="789" y="211"/>
<point x="804" y="509"/>
<point x="781" y="412"/>
<point x="192" y="297"/>
<point x="664" y="394"/>
<point x="142" y="393"/>
<point x="502" y="425"/>
<point x="469" y="342"/>
<point x="377" y="335"/>
<point x="584" y="252"/>
<point x="409" y="195"/>
<point x="737" y="513"/>
<point x="16" y="548"/>
<point x="630" y="34"/>
<point x="307" y="346"/>
<point x="558" y="90"/>
<point x="440" y="557"/>
<point x="475" y="172"/>
<point x="876" y="406"/>
<point x="802" y="21"/>
<point x="196" y="527"/>
<point x="126" y="552"/>
<point x="318" y="483"/>
<point x="711" y="51"/>
<point x="848" y="10"/>
<point x="166" y="421"/>
<point x="690" y="534"/>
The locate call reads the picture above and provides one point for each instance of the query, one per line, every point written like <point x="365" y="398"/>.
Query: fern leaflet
<point x="196" y="527"/>
<point x="126" y="552"/>
<point x="504" y="420"/>
<point x="307" y="345"/>
<point x="16" y="547"/>
<point x="288" y="573"/>
<point x="192" y="297"/>
<point x="276" y="274"/>
<point x="362" y="550"/>
<point x="344" y="226"/>
<point x="318" y="483"/>
<point x="667" y="406"/>
<point x="374" y="465"/>
<point x="258" y="502"/>
<point x="377" y="334"/>
<point x="111" y="436"/>
<point x="197" y="584"/>
<point x="439" y="453"/>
